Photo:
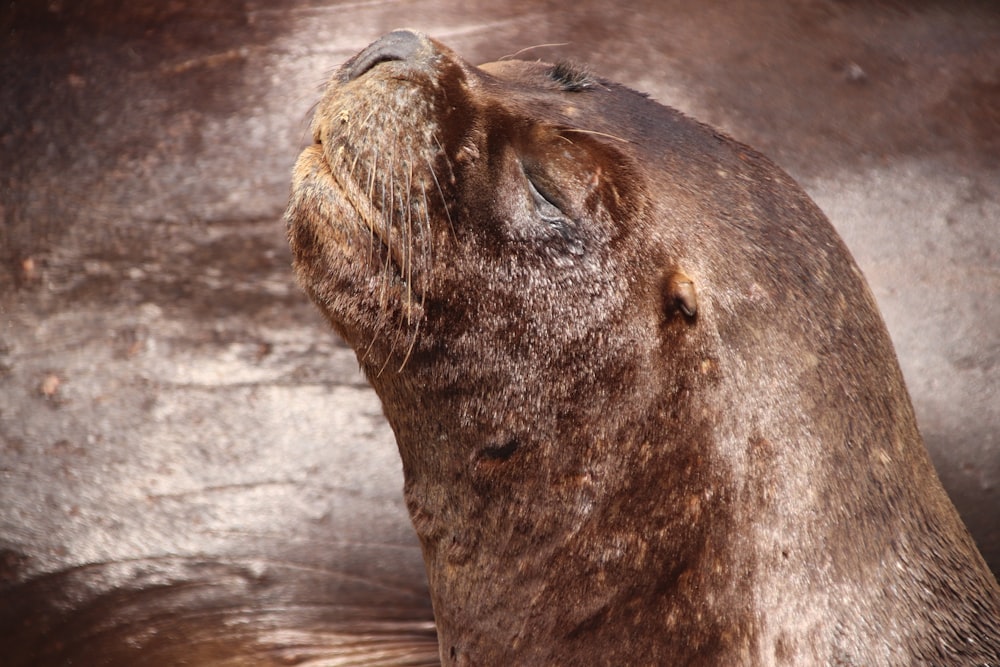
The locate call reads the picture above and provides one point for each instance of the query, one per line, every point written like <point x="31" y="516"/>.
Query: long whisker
<point x="390" y="196"/>
<point x="425" y="253"/>
<point x="402" y="319"/>
<point x="373" y="169"/>
<point x="597" y="134"/>
<point x="408" y="247"/>
<point x="444" y="200"/>
<point x="532" y="48"/>
<point x="388" y="191"/>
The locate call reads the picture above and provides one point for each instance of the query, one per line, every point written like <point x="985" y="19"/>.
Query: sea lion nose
<point x="397" y="45"/>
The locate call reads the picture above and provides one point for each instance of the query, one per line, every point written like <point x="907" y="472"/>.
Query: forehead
<point x="559" y="83"/>
<point x="562" y="77"/>
<point x="564" y="96"/>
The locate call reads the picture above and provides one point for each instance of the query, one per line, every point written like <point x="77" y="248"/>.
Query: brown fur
<point x="647" y="410"/>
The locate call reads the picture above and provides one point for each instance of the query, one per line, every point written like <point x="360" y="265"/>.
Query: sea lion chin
<point x="646" y="407"/>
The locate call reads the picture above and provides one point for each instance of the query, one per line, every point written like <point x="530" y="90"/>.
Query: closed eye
<point x="547" y="210"/>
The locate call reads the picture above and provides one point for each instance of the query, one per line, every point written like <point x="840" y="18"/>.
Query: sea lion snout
<point x="398" y="45"/>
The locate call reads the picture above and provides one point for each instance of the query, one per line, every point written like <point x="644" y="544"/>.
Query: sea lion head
<point x="439" y="199"/>
<point x="478" y="232"/>
<point x="626" y="360"/>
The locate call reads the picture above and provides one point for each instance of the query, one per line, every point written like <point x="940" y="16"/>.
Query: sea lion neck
<point x="553" y="532"/>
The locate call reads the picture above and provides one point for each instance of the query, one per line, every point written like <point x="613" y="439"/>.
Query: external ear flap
<point x="679" y="294"/>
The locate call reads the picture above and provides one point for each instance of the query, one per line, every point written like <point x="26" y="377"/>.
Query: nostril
<point x="397" y="45"/>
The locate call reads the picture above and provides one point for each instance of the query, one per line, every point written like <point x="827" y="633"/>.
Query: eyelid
<point x="547" y="208"/>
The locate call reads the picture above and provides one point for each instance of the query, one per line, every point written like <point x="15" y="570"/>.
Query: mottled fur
<point x="597" y="475"/>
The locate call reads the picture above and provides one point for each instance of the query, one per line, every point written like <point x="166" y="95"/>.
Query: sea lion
<point x="647" y="410"/>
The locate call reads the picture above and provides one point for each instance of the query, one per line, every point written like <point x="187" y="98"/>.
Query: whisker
<point x="444" y="200"/>
<point x="401" y="317"/>
<point x="307" y="124"/>
<point x="388" y="217"/>
<point x="385" y="364"/>
<point x="396" y="205"/>
<point x="354" y="164"/>
<point x="426" y="239"/>
<point x="413" y="343"/>
<point x="373" y="169"/>
<point x="531" y="48"/>
<point x="597" y="134"/>
<point x="408" y="246"/>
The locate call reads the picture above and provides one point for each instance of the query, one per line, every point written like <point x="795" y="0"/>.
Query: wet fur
<point x="598" y="472"/>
